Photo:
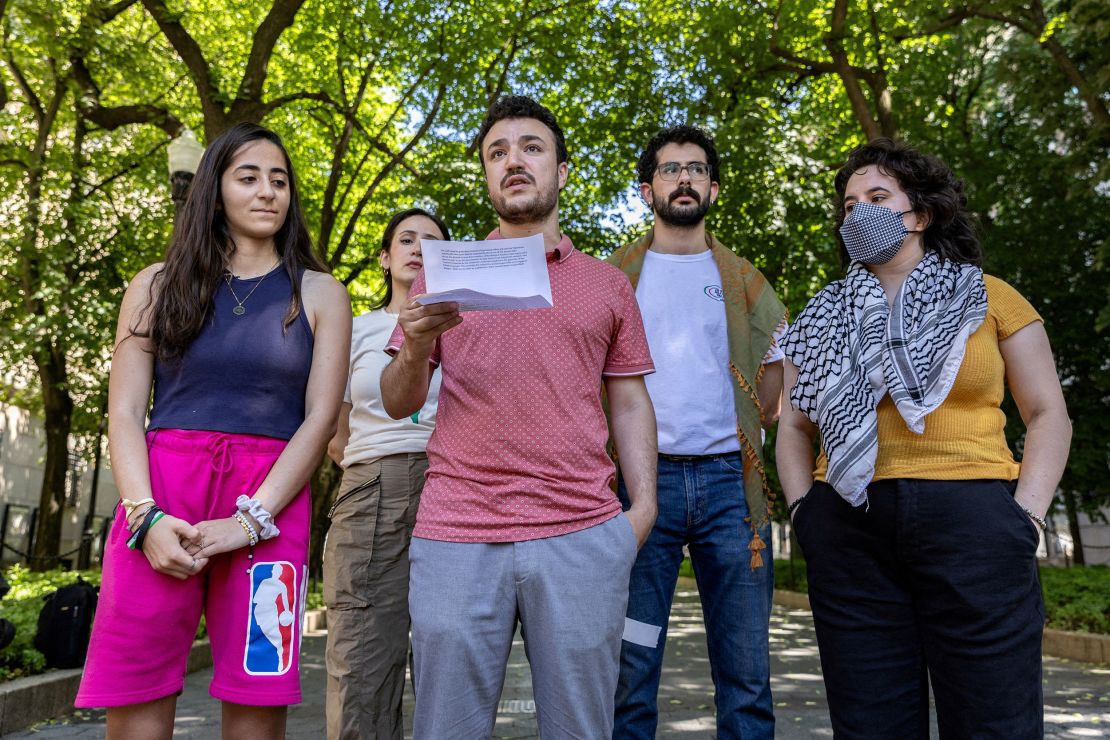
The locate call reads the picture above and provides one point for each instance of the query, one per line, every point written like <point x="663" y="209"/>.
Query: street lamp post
<point x="84" y="556"/>
<point x="184" y="155"/>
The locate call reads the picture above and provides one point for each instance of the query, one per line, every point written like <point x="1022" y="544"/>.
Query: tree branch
<point x="323" y="97"/>
<point x="28" y="91"/>
<point x="357" y="269"/>
<point x="779" y="51"/>
<point x="402" y="102"/>
<point x="493" y="92"/>
<point x="328" y="208"/>
<point x="281" y="16"/>
<point x="880" y="88"/>
<point x="796" y="69"/>
<point x="952" y="20"/>
<point x="1033" y="24"/>
<point x="1094" y="101"/>
<point x="429" y="119"/>
<point x="103" y="184"/>
<point x="111" y="11"/>
<point x="111" y="118"/>
<point x="189" y="51"/>
<point x="849" y="75"/>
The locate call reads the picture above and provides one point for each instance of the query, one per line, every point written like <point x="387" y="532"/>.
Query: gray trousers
<point x="366" y="585"/>
<point x="569" y="594"/>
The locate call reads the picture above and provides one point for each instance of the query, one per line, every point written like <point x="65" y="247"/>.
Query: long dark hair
<point x="933" y="189"/>
<point x="198" y="254"/>
<point x="387" y="241"/>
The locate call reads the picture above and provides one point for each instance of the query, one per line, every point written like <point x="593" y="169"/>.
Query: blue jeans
<point x="701" y="505"/>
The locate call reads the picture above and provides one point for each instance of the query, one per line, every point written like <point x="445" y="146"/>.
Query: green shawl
<point x="753" y="312"/>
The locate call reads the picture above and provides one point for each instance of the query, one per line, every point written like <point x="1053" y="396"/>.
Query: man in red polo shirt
<point x="518" y="520"/>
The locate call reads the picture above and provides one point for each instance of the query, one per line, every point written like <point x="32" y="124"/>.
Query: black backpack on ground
<point x="65" y="623"/>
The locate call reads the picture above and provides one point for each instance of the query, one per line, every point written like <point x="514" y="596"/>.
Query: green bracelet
<point x="139" y="537"/>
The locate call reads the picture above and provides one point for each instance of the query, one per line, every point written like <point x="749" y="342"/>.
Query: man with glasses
<point x="712" y="321"/>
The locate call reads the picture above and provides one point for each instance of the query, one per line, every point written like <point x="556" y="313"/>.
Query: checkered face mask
<point x="873" y="234"/>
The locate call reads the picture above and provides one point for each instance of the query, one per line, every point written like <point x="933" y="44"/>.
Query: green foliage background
<point x="379" y="102"/>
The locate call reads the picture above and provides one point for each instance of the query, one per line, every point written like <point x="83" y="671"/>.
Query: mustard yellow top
<point x="964" y="438"/>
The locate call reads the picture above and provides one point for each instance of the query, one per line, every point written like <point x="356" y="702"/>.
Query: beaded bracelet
<point x="264" y="518"/>
<point x="1038" y="519"/>
<point x="796" y="503"/>
<point x="252" y="534"/>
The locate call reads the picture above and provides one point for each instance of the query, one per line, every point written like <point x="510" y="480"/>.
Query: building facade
<point x="22" y="449"/>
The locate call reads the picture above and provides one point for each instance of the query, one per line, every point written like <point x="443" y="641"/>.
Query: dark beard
<point x="681" y="216"/>
<point x="528" y="212"/>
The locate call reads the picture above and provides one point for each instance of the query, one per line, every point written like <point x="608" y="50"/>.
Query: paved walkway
<point x="1077" y="696"/>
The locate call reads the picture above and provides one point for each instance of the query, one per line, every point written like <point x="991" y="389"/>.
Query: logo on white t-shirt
<point x="715" y="292"/>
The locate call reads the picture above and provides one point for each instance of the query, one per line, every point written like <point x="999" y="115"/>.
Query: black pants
<point x="933" y="581"/>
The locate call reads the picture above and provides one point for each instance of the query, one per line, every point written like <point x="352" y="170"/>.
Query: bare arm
<point x="1031" y="376"/>
<point x="405" y="380"/>
<point x="128" y="399"/>
<point x="342" y="436"/>
<point x="769" y="392"/>
<point x="329" y="311"/>
<point x="794" y="446"/>
<point x="633" y="423"/>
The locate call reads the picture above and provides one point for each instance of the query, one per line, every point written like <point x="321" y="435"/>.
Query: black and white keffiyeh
<point x="851" y="348"/>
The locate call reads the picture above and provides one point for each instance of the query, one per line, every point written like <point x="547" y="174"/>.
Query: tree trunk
<point x="852" y="89"/>
<point x="57" y="418"/>
<point x="325" y="482"/>
<point x="1073" y="527"/>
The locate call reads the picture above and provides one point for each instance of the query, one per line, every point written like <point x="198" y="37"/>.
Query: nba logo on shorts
<point x="272" y="632"/>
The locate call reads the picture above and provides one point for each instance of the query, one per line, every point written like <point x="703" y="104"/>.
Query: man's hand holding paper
<point x="492" y="275"/>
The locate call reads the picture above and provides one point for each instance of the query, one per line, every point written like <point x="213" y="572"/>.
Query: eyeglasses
<point x="669" y="171"/>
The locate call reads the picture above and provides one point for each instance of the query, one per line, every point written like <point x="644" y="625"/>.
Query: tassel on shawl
<point x="756" y="546"/>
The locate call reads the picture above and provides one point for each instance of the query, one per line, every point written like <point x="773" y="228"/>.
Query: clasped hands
<point x="179" y="549"/>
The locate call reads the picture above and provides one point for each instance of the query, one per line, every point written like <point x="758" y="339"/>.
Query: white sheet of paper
<point x="492" y="275"/>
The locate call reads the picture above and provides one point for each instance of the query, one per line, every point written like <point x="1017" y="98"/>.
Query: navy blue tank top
<point x="243" y="374"/>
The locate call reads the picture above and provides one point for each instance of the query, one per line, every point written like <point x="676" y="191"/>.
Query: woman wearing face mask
<point x="919" y="529"/>
<point x="366" y="565"/>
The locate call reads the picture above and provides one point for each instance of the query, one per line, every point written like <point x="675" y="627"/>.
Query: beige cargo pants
<point x="366" y="590"/>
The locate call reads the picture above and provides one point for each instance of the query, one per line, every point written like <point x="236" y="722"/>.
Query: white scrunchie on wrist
<point x="268" y="530"/>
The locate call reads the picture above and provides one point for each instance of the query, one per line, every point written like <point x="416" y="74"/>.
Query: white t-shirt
<point x="683" y="307"/>
<point x="373" y="433"/>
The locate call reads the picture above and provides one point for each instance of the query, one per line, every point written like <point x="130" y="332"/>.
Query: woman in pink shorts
<point x="244" y="338"/>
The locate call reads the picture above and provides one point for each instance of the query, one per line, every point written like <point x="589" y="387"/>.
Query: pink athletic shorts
<point x="145" y="621"/>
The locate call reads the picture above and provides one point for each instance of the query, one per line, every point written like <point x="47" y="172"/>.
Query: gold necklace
<point x="239" y="309"/>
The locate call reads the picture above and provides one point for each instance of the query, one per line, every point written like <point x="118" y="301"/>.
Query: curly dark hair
<point x="682" y="134"/>
<point x="933" y="189"/>
<point x="387" y="242"/>
<point x="521" y="106"/>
